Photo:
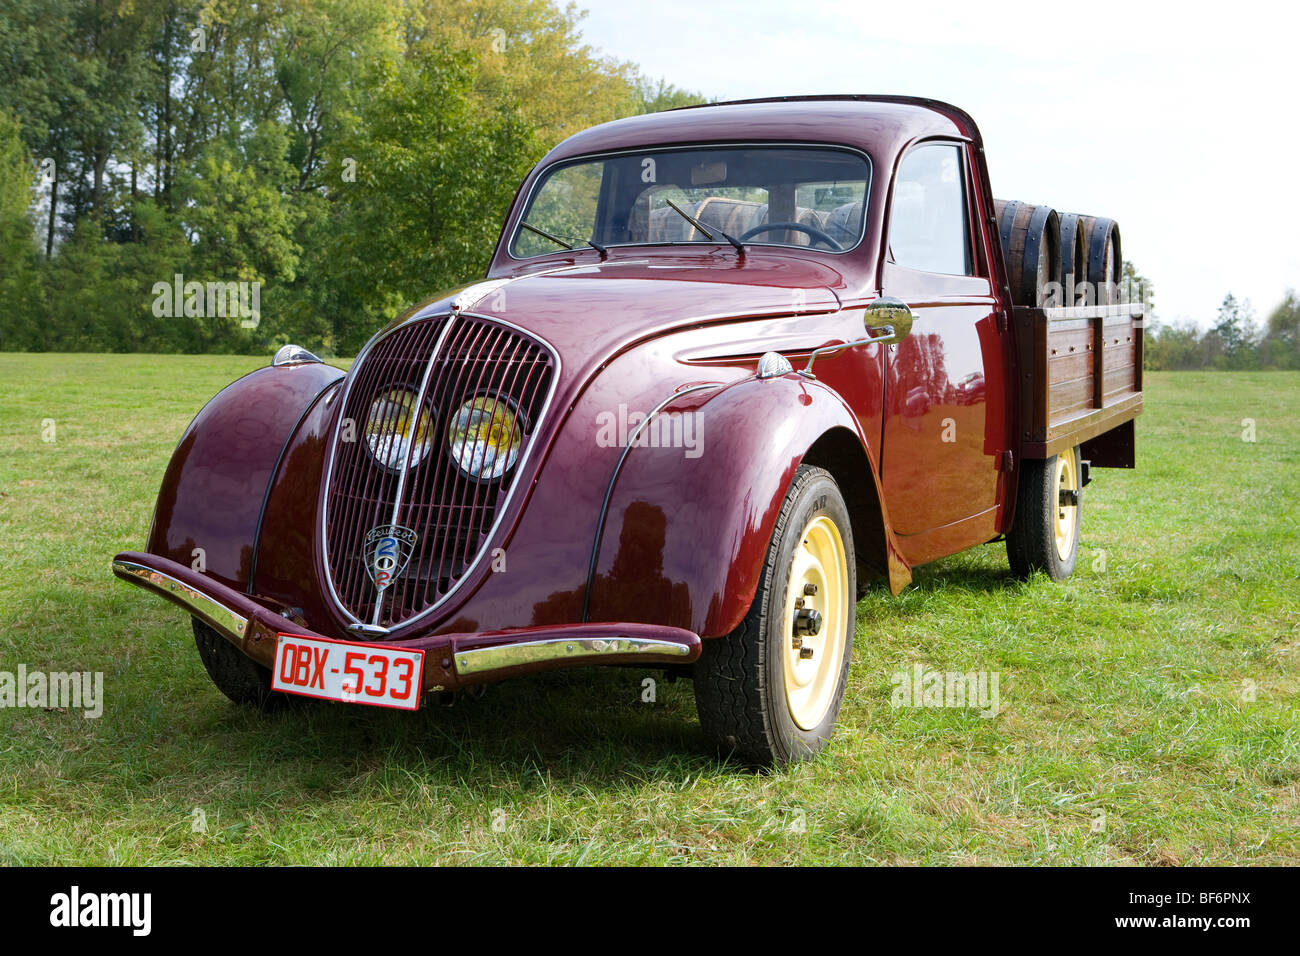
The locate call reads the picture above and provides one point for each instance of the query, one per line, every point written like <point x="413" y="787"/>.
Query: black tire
<point x="740" y="679"/>
<point x="1032" y="543"/>
<point x="238" y="677"/>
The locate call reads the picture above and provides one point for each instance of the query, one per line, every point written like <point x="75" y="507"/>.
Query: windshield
<point x="758" y="195"/>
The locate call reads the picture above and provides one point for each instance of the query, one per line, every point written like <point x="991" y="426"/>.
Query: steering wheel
<point x="812" y="232"/>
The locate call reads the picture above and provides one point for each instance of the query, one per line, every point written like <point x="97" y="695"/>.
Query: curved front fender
<point x="213" y="492"/>
<point x="690" y="521"/>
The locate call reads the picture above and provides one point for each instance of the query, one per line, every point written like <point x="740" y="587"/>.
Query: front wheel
<point x="1044" y="534"/>
<point x="242" y="680"/>
<point x="770" y="691"/>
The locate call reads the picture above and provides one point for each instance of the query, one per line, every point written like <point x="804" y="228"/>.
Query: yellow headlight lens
<point x="484" y="437"/>
<point x="394" y="427"/>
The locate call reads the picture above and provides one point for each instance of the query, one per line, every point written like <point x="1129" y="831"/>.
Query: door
<point x="942" y="438"/>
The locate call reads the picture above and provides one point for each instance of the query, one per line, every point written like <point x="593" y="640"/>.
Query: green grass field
<point x="1149" y="710"/>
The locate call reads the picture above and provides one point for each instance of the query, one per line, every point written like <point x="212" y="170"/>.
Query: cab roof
<point x="879" y="125"/>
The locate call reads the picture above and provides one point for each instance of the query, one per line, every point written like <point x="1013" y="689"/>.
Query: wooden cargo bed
<point x="1069" y="396"/>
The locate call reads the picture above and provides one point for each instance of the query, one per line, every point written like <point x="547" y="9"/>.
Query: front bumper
<point x="451" y="660"/>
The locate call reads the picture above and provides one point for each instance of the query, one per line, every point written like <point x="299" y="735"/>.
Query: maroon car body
<point x="600" y="553"/>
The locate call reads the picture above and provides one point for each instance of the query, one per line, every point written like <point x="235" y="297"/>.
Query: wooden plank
<point x="1080" y="373"/>
<point x="1030" y="330"/>
<point x="1063" y="368"/>
<point x="1117" y="357"/>
<point x="1139" y="352"/>
<point x="1067" y="341"/>
<point x="1086" y="425"/>
<point x="1098" y="368"/>
<point x="1120" y="389"/>
<point x="1066" y="396"/>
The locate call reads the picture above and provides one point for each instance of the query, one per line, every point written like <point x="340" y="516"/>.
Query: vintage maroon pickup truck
<point x="729" y="364"/>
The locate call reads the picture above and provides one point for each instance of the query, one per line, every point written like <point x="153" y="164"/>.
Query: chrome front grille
<point x="445" y="362"/>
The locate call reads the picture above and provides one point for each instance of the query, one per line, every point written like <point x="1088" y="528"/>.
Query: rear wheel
<point x="1044" y="535"/>
<point x="770" y="691"/>
<point x="238" y="677"/>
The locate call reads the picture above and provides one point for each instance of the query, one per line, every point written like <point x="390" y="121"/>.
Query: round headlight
<point x="394" y="427"/>
<point x="484" y="437"/>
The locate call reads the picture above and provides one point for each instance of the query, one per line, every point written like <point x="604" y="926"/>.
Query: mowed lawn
<point x="1149" y="708"/>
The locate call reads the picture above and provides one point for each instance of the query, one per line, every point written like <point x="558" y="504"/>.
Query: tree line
<point x="1236" y="340"/>
<point x="342" y="157"/>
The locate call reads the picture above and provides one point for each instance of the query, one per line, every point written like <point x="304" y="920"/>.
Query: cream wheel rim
<point x="1066" y="523"/>
<point x="819" y="582"/>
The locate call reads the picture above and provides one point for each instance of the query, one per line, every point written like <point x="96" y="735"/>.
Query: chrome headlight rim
<point x="423" y="426"/>
<point x="510" y="457"/>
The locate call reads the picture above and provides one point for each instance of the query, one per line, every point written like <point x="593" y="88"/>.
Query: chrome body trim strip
<point x="232" y="625"/>
<point x="483" y="659"/>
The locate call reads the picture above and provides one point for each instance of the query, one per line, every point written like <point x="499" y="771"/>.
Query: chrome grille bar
<point x="421" y="415"/>
<point x="391" y="362"/>
<point x="445" y="362"/>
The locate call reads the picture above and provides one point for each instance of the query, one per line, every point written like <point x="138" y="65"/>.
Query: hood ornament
<point x="387" y="549"/>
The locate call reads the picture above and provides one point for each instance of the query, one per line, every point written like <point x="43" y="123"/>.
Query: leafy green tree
<point x="1280" y="346"/>
<point x="216" y="139"/>
<point x="239" y="208"/>
<point x="530" y="55"/>
<point x="1172" y="347"/>
<point x="1231" y="343"/>
<point x="656" y="96"/>
<point x="1135" y="287"/>
<point x="435" y="174"/>
<point x="18" y="277"/>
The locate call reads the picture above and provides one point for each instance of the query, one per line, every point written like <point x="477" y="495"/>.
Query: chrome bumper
<point x="231" y="624"/>
<point x="451" y="660"/>
<point x="577" y="650"/>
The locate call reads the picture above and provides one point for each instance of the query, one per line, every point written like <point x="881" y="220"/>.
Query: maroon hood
<point x="591" y="313"/>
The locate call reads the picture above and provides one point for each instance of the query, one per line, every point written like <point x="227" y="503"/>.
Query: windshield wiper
<point x="546" y="235"/>
<point x="603" y="250"/>
<point x="707" y="235"/>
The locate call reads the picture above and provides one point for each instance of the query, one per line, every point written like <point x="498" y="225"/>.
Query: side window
<point x="928" y="225"/>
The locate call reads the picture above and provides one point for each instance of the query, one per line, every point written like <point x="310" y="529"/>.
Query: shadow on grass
<point x="586" y="726"/>
<point x="979" y="570"/>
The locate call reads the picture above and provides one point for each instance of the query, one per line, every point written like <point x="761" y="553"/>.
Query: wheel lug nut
<point x="796" y="642"/>
<point x="810" y="589"/>
<point x="807" y="622"/>
<point x="805" y="653"/>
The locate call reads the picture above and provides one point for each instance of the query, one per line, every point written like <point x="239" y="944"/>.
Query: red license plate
<point x="351" y="673"/>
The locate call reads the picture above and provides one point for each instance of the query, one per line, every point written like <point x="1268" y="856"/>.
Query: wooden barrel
<point x="1074" y="259"/>
<point x="1105" y="259"/>
<point x="1031" y="248"/>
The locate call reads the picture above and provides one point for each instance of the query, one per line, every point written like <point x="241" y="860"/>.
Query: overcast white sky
<point x="1178" y="120"/>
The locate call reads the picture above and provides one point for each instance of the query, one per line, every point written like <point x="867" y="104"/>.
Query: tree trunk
<point x="54" y="212"/>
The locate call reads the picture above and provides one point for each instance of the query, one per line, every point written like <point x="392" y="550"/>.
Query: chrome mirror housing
<point x="887" y="321"/>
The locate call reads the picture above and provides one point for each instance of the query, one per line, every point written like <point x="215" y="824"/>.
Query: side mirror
<point x="887" y="320"/>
